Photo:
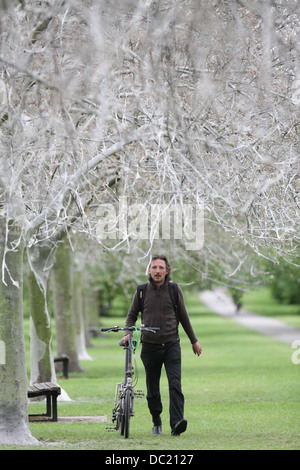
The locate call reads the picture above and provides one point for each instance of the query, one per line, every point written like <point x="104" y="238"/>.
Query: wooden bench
<point x="51" y="391"/>
<point x="65" y="360"/>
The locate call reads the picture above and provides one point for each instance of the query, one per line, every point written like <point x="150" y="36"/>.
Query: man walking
<point x="163" y="347"/>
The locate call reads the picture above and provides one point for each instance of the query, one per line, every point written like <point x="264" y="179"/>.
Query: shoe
<point x="179" y="427"/>
<point x="156" y="430"/>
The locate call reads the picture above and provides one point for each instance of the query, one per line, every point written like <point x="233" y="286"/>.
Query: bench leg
<point x="48" y="409"/>
<point x="52" y="410"/>
<point x="54" y="407"/>
<point x="51" y="407"/>
<point x="66" y="368"/>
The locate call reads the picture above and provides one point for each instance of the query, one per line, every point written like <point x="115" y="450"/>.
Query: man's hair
<point x="163" y="258"/>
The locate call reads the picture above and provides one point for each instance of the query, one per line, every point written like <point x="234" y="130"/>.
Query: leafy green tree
<point x="284" y="281"/>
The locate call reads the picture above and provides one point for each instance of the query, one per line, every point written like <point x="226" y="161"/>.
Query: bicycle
<point x="125" y="393"/>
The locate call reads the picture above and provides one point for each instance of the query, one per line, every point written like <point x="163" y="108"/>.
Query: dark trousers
<point x="153" y="357"/>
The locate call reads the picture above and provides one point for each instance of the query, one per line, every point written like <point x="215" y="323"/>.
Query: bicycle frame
<point x="124" y="394"/>
<point x="123" y="390"/>
<point x="128" y="357"/>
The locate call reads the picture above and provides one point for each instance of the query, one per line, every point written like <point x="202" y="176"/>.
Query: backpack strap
<point x="141" y="293"/>
<point x="173" y="291"/>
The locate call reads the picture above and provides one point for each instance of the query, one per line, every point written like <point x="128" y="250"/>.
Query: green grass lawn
<point x="242" y="393"/>
<point x="262" y="302"/>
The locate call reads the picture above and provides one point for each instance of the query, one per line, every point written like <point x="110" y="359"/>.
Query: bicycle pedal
<point x="139" y="394"/>
<point x="110" y="428"/>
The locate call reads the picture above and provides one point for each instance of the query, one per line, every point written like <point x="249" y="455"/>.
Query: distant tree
<point x="284" y="281"/>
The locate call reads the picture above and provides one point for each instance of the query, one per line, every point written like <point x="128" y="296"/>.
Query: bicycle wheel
<point x="121" y="416"/>
<point x="117" y="416"/>
<point x="127" y="412"/>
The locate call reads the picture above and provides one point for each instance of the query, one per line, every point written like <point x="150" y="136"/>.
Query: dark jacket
<point x="159" y="312"/>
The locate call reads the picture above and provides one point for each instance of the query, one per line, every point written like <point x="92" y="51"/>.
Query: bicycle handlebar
<point x="153" y="329"/>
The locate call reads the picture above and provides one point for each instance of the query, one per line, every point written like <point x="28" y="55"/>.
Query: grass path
<point x="263" y="303"/>
<point x="242" y="393"/>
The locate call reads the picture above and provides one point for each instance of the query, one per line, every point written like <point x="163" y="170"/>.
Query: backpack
<point x="173" y="291"/>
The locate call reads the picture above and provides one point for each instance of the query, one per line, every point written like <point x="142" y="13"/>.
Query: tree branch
<point x="74" y="180"/>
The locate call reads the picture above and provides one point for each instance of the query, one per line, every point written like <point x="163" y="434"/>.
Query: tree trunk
<point x="14" y="427"/>
<point x="79" y="317"/>
<point x="41" y="258"/>
<point x="91" y="314"/>
<point x="64" y="316"/>
<point x="41" y="357"/>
